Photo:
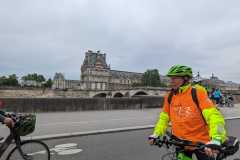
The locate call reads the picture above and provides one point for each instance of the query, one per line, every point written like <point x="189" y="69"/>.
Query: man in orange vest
<point x="197" y="123"/>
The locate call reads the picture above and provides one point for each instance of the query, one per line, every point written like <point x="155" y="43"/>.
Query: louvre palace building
<point x="96" y="74"/>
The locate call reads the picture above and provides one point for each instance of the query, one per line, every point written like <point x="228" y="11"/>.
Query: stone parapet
<point x="41" y="93"/>
<point x="79" y="104"/>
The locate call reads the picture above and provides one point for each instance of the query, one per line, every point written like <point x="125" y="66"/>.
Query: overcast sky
<point x="48" y="36"/>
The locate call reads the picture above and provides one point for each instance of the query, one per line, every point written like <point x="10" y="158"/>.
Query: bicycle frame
<point x="12" y="136"/>
<point x="179" y="145"/>
<point x="6" y="144"/>
<point x="15" y="138"/>
<point x="176" y="154"/>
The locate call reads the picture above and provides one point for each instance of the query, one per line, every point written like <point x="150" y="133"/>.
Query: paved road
<point x="115" y="146"/>
<point x="120" y="146"/>
<point x="72" y="122"/>
<point x="69" y="122"/>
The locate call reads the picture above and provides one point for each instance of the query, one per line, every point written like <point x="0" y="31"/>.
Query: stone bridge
<point x="141" y="91"/>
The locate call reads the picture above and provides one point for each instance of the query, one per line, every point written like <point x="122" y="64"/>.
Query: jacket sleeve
<point x="2" y="117"/>
<point x="216" y="124"/>
<point x="162" y="123"/>
<point x="212" y="116"/>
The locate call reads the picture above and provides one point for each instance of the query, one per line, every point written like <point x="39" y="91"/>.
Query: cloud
<point x="52" y="36"/>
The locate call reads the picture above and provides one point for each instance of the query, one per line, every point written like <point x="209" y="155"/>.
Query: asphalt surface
<point x="121" y="146"/>
<point x="59" y="124"/>
<point x="131" y="145"/>
<point x="128" y="145"/>
<point x="71" y="122"/>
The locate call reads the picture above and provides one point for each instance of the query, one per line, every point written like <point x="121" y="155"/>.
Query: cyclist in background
<point x="187" y="121"/>
<point x="229" y="100"/>
<point x="217" y="95"/>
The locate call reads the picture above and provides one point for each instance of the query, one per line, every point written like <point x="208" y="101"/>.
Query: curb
<point x="96" y="132"/>
<point x="231" y="118"/>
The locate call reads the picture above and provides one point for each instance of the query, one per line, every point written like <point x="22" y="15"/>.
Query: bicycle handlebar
<point x="16" y="117"/>
<point x="170" y="140"/>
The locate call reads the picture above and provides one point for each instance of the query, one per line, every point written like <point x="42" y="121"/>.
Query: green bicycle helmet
<point x="180" y="70"/>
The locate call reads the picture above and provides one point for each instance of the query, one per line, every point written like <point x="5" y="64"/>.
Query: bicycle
<point x="176" y="147"/>
<point x="229" y="101"/>
<point x="23" y="149"/>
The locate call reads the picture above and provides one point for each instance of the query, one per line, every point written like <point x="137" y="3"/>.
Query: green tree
<point x="34" y="77"/>
<point x="10" y="80"/>
<point x="151" y="78"/>
<point x="40" y="78"/>
<point x="49" y="83"/>
<point x="3" y="80"/>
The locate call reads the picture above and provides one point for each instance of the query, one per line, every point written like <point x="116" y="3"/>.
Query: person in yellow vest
<point x="187" y="121"/>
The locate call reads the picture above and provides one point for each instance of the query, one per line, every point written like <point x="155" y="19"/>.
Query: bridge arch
<point x="118" y="94"/>
<point x="101" y="95"/>
<point x="139" y="93"/>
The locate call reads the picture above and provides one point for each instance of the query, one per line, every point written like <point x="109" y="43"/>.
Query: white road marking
<point x="62" y="149"/>
<point x="67" y="145"/>
<point x="66" y="149"/>
<point x="68" y="152"/>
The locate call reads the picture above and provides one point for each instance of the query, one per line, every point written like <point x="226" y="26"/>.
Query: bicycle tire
<point x="33" y="149"/>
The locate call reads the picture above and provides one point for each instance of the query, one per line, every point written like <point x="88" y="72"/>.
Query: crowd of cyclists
<point x="220" y="99"/>
<point x="217" y="96"/>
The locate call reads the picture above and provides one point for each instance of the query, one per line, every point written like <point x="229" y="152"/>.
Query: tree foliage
<point x="34" y="77"/>
<point x="11" y="80"/>
<point x="48" y="83"/>
<point x="152" y="78"/>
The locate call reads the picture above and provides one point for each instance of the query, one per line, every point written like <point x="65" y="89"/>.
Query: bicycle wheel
<point x="32" y="150"/>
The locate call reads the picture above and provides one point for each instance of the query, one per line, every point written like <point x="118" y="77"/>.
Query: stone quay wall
<point x="38" y="100"/>
<point x="79" y="104"/>
<point x="40" y="93"/>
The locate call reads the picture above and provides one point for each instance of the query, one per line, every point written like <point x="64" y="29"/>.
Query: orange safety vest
<point x="187" y="121"/>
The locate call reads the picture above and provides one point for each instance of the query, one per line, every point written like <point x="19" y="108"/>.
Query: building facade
<point x="59" y="82"/>
<point x="215" y="82"/>
<point x="96" y="74"/>
<point x="30" y="83"/>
